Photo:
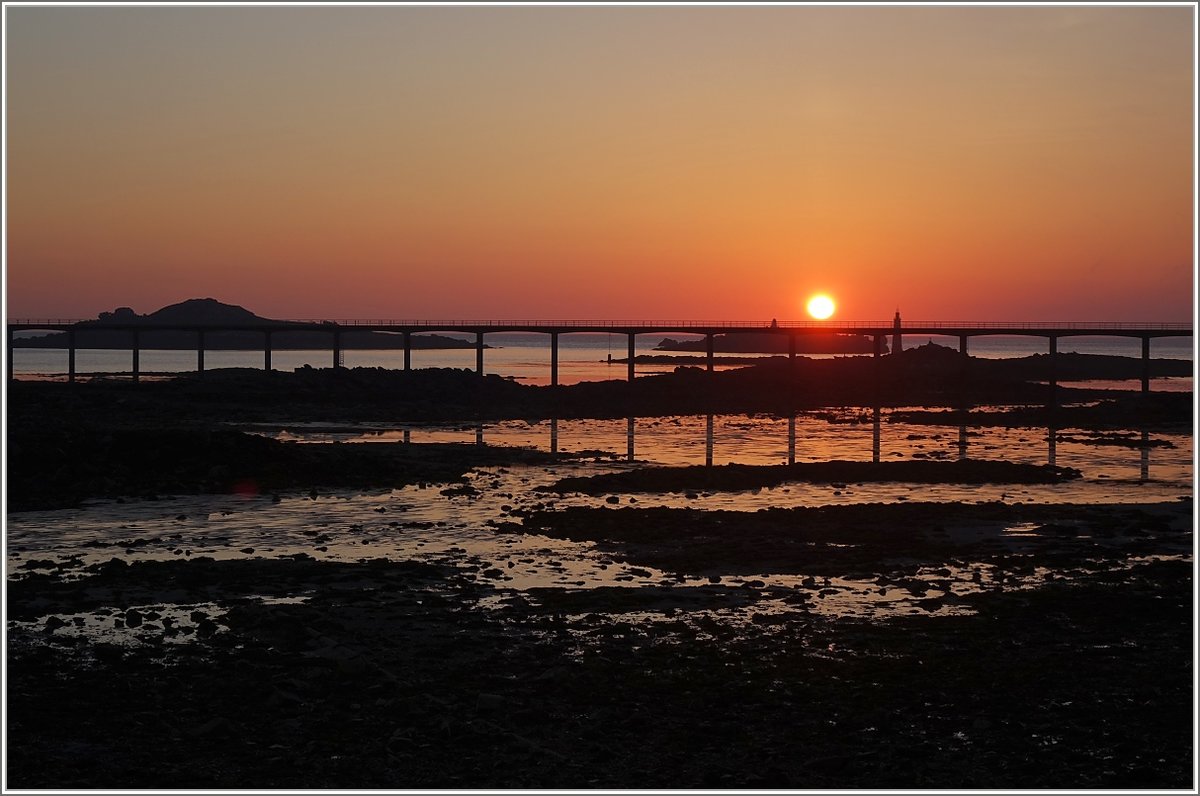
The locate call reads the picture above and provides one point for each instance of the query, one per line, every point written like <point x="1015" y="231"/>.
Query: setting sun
<point x="820" y="307"/>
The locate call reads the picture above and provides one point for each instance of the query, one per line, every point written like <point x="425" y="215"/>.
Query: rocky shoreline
<point x="993" y="644"/>
<point x="389" y="674"/>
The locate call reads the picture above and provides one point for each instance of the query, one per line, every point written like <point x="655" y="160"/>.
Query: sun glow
<point x="821" y="307"/>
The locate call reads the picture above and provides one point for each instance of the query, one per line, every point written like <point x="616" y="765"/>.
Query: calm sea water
<point x="526" y="357"/>
<point x="415" y="522"/>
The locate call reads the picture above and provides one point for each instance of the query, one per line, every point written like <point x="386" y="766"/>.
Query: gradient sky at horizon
<point x="989" y="163"/>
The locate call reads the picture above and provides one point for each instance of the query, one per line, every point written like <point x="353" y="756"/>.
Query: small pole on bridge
<point x="267" y="350"/>
<point x="136" y="357"/>
<point x="1145" y="365"/>
<point x="554" y="359"/>
<point x="408" y="350"/>
<point x="479" y="353"/>
<point x="200" y="351"/>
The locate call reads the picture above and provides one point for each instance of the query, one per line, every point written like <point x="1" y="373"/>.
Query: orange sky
<point x="1011" y="163"/>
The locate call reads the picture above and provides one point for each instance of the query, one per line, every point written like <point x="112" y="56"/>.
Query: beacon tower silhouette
<point x="896" y="333"/>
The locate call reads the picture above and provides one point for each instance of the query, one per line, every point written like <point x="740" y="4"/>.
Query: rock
<point x="215" y="726"/>
<point x="53" y="623"/>
<point x="612" y="499"/>
<point x="133" y="618"/>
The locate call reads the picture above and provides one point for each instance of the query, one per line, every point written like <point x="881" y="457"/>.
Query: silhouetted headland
<point x="204" y="312"/>
<point x="768" y="343"/>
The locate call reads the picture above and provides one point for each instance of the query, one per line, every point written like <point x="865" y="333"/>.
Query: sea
<point x="430" y="523"/>
<point x="525" y="357"/>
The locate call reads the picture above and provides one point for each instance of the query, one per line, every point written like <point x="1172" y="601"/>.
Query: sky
<point x="955" y="163"/>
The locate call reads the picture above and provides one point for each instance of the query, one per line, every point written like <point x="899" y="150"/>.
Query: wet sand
<point x="1039" y="646"/>
<point x="395" y="674"/>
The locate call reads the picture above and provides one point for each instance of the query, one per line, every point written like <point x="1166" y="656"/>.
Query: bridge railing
<point x="685" y="324"/>
<point x="449" y="324"/>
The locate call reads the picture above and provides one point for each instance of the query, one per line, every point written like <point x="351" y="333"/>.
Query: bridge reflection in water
<point x="962" y="445"/>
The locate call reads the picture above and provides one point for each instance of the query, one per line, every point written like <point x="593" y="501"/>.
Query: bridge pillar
<point x="554" y="359"/>
<point x="479" y="353"/>
<point x="267" y="350"/>
<point x="708" y="338"/>
<point x="792" y="348"/>
<point x="1053" y="370"/>
<point x="1145" y="365"/>
<point x="337" y="348"/>
<point x="408" y="350"/>
<point x="10" y="354"/>
<point x="632" y="336"/>
<point x="962" y="377"/>
<point x="136" y="356"/>
<point x="70" y="356"/>
<point x="200" y="351"/>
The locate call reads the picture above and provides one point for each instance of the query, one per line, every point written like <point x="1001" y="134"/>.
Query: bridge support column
<point x="71" y="356"/>
<point x="200" y="351"/>
<point x="408" y="350"/>
<point x="1053" y="371"/>
<point x="337" y="348"/>
<point x="632" y="336"/>
<point x="10" y="354"/>
<point x="554" y="359"/>
<point x="629" y="440"/>
<point x="267" y="351"/>
<point x="137" y="370"/>
<point x="1145" y="366"/>
<point x="792" y="348"/>
<point x="963" y="369"/>
<point x="479" y="353"/>
<point x="708" y="338"/>
<point x="878" y="366"/>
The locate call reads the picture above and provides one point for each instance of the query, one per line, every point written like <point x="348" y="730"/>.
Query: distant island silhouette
<point x="776" y="343"/>
<point x="201" y="312"/>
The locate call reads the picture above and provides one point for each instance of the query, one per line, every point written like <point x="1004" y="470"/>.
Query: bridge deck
<point x="949" y="328"/>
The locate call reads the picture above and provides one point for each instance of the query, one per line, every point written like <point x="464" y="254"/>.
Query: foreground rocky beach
<point x="990" y="643"/>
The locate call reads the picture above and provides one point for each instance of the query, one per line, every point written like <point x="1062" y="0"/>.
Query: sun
<point x="821" y="306"/>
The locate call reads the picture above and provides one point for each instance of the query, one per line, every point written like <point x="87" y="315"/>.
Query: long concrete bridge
<point x="879" y="330"/>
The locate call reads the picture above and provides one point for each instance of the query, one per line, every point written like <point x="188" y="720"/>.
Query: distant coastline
<point x="777" y="343"/>
<point x="210" y="312"/>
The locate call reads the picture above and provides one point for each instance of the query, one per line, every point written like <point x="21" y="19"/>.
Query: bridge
<point x="879" y="330"/>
